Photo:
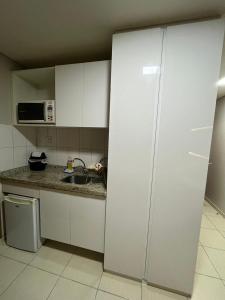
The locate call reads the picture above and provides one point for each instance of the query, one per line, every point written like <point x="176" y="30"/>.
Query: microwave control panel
<point x="50" y="112"/>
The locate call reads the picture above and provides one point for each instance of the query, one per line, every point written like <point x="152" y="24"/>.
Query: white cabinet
<point x="32" y="84"/>
<point x="163" y="94"/>
<point x="82" y="94"/>
<point x="69" y="86"/>
<point x="87" y="221"/>
<point x="136" y="62"/>
<point x="72" y="219"/>
<point x="96" y="94"/>
<point x="187" y="103"/>
<point x="55" y="216"/>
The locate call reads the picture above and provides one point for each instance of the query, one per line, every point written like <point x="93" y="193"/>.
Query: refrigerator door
<point x="22" y="224"/>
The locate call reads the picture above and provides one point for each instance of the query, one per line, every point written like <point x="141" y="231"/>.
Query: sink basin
<point x="77" y="179"/>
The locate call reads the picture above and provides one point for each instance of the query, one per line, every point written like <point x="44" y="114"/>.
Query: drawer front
<point x="21" y="190"/>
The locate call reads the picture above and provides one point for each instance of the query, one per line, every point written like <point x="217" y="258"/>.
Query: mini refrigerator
<point x="22" y="224"/>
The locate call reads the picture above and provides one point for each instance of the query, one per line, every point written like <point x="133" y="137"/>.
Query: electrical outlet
<point x="49" y="139"/>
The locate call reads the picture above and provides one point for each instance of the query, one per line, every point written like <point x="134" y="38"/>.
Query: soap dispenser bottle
<point x="70" y="164"/>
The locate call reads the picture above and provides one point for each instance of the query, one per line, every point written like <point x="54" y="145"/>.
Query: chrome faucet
<point x="82" y="168"/>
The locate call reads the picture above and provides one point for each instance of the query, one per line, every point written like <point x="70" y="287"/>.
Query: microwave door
<point x="31" y="112"/>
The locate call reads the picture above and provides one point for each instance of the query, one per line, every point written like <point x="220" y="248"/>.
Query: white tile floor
<point x="60" y="272"/>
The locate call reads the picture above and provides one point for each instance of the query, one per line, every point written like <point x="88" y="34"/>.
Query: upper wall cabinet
<point x="32" y="84"/>
<point x="82" y="94"/>
<point x="96" y="94"/>
<point x="69" y="94"/>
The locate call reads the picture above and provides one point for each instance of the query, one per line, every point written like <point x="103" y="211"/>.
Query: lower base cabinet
<point x="72" y="219"/>
<point x="87" y="223"/>
<point x="55" y="216"/>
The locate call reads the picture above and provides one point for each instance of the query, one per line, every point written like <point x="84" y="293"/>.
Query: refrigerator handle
<point x="15" y="201"/>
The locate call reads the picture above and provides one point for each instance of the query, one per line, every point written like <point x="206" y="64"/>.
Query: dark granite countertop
<point x="51" y="179"/>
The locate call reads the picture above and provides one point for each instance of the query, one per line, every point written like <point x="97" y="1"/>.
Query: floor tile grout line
<point x="44" y="270"/>
<point x="220" y="278"/>
<point x="87" y="285"/>
<point x="35" y="267"/>
<point x="219" y="231"/>
<point x="113" y="294"/>
<point x="221" y="234"/>
<point x="210" y="276"/>
<point x="211" y="229"/>
<point x="100" y="280"/>
<point x="59" y="277"/>
<point x="57" y="280"/>
<point x="10" y="284"/>
<point x="203" y="246"/>
<point x="202" y="227"/>
<point x="213" y="248"/>
<point x="16" y="260"/>
<point x="223" y="281"/>
<point x="211" y="262"/>
<point x="35" y="255"/>
<point x="216" y="229"/>
<point x="209" y="220"/>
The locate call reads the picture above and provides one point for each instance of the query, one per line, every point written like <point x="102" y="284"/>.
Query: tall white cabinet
<point x="192" y="57"/>
<point x="136" y="61"/>
<point x="164" y="85"/>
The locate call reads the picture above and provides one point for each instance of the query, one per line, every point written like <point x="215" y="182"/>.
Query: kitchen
<point x="102" y="191"/>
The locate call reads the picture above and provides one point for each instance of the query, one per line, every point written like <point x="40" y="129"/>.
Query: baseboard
<point x="176" y="292"/>
<point x="215" y="206"/>
<point x="122" y="275"/>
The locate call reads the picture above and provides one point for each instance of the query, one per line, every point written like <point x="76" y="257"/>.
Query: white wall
<point x="89" y="144"/>
<point x="6" y="66"/>
<point x="15" y="144"/>
<point x="215" y="189"/>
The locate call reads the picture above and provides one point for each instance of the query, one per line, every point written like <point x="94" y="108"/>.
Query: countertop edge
<point x="38" y="185"/>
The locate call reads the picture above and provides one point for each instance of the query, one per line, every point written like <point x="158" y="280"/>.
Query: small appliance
<point x="36" y="112"/>
<point x="37" y="161"/>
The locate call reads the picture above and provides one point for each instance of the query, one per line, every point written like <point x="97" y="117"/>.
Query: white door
<point x="87" y="217"/>
<point x="187" y="102"/>
<point x="55" y="216"/>
<point x="69" y="93"/>
<point x="96" y="94"/>
<point x="136" y="62"/>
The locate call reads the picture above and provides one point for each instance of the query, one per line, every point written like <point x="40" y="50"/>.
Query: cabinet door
<point x="87" y="218"/>
<point x="54" y="210"/>
<point x="69" y="91"/>
<point x="136" y="63"/>
<point x="96" y="94"/>
<point x="188" y="95"/>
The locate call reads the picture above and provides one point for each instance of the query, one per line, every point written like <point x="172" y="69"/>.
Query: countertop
<point x="50" y="178"/>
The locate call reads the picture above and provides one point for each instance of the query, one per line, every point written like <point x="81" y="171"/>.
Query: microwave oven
<point x="36" y="112"/>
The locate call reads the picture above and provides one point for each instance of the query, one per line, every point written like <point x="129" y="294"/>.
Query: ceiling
<point x="48" y="32"/>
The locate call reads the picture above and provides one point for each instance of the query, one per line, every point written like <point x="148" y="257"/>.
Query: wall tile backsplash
<point x="16" y="144"/>
<point x="89" y="144"/>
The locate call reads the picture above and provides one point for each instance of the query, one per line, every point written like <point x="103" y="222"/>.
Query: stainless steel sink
<point x="77" y="179"/>
<point x="83" y="178"/>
